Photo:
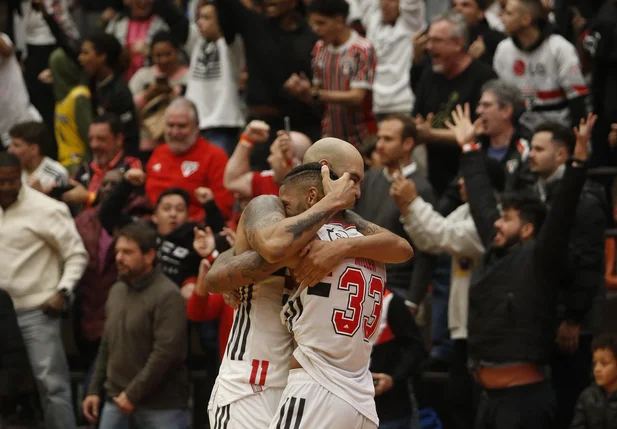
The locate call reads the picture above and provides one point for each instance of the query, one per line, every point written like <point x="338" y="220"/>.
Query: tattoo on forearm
<point x="362" y="225"/>
<point x="303" y="225"/>
<point x="250" y="265"/>
<point x="260" y="213"/>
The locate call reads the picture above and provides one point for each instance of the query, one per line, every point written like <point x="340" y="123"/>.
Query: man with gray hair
<point x="187" y="161"/>
<point x="504" y="138"/>
<point x="454" y="77"/>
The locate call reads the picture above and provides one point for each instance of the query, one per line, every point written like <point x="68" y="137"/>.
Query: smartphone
<point x="161" y="80"/>
<point x="287" y="124"/>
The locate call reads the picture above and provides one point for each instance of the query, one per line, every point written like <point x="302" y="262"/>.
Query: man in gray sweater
<point x="141" y="361"/>
<point x="379" y="201"/>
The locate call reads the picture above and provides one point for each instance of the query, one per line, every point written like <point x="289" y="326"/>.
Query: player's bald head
<point x="338" y="154"/>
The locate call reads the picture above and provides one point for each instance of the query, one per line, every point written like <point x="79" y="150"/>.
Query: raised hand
<point x="343" y="191"/>
<point x="583" y="135"/>
<point x="204" y="195"/>
<point x="464" y="130"/>
<point x="258" y="131"/>
<point x="203" y="243"/>
<point x="230" y="236"/>
<point x="135" y="176"/>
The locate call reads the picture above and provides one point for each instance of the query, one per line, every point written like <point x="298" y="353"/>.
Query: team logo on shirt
<point x="189" y="167"/>
<point x="519" y="67"/>
<point x="511" y="165"/>
<point x="334" y="234"/>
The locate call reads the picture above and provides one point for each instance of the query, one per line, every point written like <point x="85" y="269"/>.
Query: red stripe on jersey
<point x="264" y="372"/>
<point x="255" y="367"/>
<point x="553" y="93"/>
<point x="581" y="90"/>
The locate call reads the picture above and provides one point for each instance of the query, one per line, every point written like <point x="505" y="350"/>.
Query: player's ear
<point x="312" y="196"/>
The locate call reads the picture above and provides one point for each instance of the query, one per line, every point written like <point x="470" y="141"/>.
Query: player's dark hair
<point x="9" y="160"/>
<point x="107" y="44"/>
<point x="531" y="209"/>
<point x="605" y="341"/>
<point x="561" y="135"/>
<point x="140" y="233"/>
<point x="174" y="191"/>
<point x="329" y="8"/>
<point x="32" y="132"/>
<point x="307" y="174"/>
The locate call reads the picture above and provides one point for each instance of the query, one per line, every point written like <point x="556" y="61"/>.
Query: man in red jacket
<point x="187" y="161"/>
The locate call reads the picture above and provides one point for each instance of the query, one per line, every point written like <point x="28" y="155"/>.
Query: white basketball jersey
<point x="259" y="348"/>
<point x="335" y="325"/>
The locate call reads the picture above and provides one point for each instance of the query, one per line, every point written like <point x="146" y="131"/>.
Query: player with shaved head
<point x="271" y="234"/>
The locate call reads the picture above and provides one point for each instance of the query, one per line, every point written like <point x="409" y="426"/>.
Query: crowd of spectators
<point x="133" y="134"/>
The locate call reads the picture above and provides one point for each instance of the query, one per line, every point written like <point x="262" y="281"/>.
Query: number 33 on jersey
<point x="341" y="313"/>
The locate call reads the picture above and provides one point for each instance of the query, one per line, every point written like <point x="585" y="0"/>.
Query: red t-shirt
<point x="203" y="165"/>
<point x="263" y="183"/>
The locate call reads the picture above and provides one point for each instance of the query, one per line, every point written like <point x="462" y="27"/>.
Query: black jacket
<point x="13" y="357"/>
<point x="594" y="410"/>
<point x="175" y="255"/>
<point x="272" y="56"/>
<point x="518" y="174"/>
<point x="491" y="38"/>
<point x="399" y="351"/>
<point x="583" y="280"/>
<point x="513" y="293"/>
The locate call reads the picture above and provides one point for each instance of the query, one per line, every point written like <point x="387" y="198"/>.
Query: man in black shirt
<point x="454" y="77"/>
<point x="100" y="59"/>
<point x="513" y="293"/>
<point x="277" y="44"/>
<point x="482" y="38"/>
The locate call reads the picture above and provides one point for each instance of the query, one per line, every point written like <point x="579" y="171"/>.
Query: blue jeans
<point x="404" y="423"/>
<point x="440" y="334"/>
<point x="225" y="138"/>
<point x="143" y="418"/>
<point x="43" y="342"/>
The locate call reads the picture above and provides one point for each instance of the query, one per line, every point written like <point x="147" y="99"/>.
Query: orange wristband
<point x="246" y="139"/>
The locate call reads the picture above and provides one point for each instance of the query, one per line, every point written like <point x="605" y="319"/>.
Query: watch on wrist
<point x="574" y="160"/>
<point x="315" y="94"/>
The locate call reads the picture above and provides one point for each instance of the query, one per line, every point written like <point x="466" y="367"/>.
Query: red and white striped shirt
<point x="342" y="68"/>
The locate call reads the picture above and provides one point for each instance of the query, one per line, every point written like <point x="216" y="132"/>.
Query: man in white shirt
<point x="38" y="171"/>
<point x="42" y="257"/>
<point x="15" y="104"/>
<point x="390" y="24"/>
<point x="213" y="82"/>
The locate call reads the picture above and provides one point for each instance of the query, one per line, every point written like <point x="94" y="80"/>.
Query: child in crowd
<point x="597" y="405"/>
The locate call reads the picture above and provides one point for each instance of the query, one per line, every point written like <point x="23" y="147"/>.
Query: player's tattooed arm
<point x="363" y="226"/>
<point x="278" y="238"/>
<point x="231" y="271"/>
<point x="378" y="244"/>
